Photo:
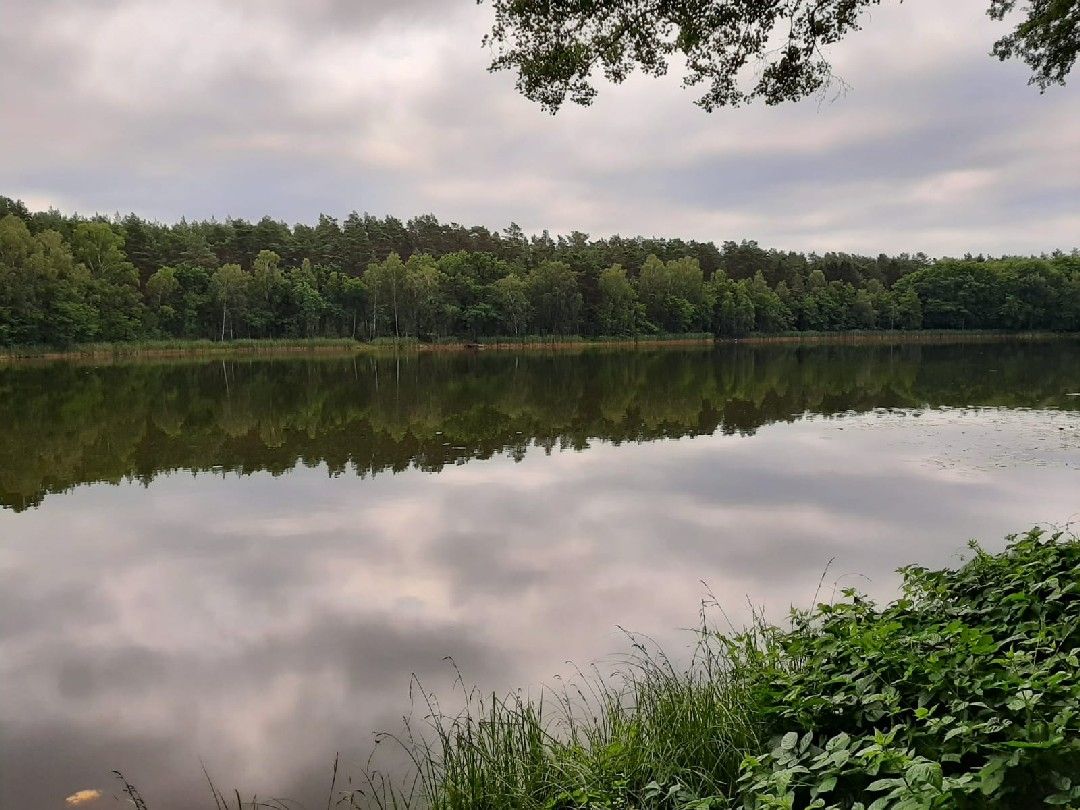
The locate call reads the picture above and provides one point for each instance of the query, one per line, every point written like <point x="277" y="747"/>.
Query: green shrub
<point x="963" y="693"/>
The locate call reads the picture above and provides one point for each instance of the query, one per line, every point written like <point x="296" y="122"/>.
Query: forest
<point x="66" y="280"/>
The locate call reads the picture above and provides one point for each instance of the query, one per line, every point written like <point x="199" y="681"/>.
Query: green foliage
<point x="1047" y="38"/>
<point x="511" y="305"/>
<point x="70" y="280"/>
<point x="1004" y="294"/>
<point x="114" y="282"/>
<point x="45" y="296"/>
<point x="619" y="313"/>
<point x="554" y="298"/>
<point x="558" y="49"/>
<point x="963" y="693"/>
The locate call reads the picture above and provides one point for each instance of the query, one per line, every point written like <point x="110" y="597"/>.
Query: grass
<point x="179" y="348"/>
<point x="586" y="746"/>
<point x="514" y="341"/>
<point x="872" y="337"/>
<point x="963" y="693"/>
<point x="265" y="346"/>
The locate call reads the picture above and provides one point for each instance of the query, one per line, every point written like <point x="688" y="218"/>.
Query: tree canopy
<point x="738" y="50"/>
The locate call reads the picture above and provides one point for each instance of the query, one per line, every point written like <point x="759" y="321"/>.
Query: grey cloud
<point x="364" y="15"/>
<point x="384" y="106"/>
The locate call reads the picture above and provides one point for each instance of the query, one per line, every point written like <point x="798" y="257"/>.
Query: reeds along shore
<point x="165" y="349"/>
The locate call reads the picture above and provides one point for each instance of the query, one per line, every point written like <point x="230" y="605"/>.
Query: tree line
<point x="68" y="279"/>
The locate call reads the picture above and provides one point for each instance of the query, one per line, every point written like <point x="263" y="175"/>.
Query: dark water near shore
<point x="244" y="561"/>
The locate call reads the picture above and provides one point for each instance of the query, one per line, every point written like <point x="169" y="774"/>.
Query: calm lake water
<point x="244" y="562"/>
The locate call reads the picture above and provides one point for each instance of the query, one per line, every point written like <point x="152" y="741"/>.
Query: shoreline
<point x="269" y="348"/>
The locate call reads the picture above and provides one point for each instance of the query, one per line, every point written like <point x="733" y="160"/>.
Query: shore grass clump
<point x="962" y="693"/>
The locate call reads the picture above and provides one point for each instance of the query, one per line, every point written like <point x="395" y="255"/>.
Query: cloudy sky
<point x="204" y="108"/>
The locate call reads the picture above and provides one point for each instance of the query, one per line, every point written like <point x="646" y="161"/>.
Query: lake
<point x="243" y="562"/>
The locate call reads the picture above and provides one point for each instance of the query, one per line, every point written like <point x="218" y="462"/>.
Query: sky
<point x="220" y="108"/>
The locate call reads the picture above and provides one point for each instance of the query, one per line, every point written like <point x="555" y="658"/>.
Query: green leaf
<point x="884" y="784"/>
<point x="992" y="776"/>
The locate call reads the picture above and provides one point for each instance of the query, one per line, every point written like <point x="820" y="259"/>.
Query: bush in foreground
<point x="963" y="693"/>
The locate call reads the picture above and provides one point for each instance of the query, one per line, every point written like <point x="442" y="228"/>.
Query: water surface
<point x="244" y="562"/>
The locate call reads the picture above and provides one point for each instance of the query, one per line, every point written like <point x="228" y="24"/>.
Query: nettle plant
<point x="963" y="693"/>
